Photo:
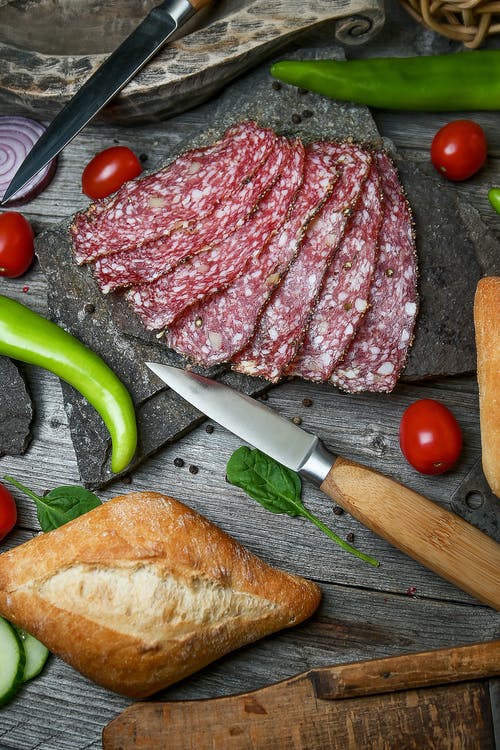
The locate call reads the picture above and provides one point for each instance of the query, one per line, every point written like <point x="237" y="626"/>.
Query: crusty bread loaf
<point x="487" y="327"/>
<point x="142" y="591"/>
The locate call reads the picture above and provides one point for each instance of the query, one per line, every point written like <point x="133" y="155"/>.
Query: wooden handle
<point x="440" y="540"/>
<point x="199" y="4"/>
<point x="408" y="671"/>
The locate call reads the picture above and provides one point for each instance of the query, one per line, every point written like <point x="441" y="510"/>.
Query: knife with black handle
<point x="438" y="539"/>
<point x="116" y="71"/>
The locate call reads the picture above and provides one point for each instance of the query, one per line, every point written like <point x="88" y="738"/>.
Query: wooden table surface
<point x="398" y="608"/>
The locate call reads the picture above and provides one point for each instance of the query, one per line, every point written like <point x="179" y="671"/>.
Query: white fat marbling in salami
<point x="344" y="296"/>
<point x="160" y="302"/>
<point x="284" y="320"/>
<point x="190" y="187"/>
<point x="379" y="350"/>
<point x="215" y="329"/>
<point x="157" y="258"/>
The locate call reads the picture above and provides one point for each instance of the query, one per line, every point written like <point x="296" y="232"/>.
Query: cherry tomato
<point x="16" y="244"/>
<point x="8" y="511"/>
<point x="108" y="170"/>
<point x="430" y="437"/>
<point x="459" y="149"/>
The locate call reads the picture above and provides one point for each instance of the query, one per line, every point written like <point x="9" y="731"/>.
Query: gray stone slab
<point x="16" y="410"/>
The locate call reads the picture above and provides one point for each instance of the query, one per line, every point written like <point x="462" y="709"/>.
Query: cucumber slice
<point x="12" y="661"/>
<point x="36" y="654"/>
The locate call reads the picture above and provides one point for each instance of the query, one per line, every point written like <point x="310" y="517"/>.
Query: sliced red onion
<point x="17" y="137"/>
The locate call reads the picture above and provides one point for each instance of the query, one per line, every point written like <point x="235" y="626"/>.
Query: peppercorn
<point x="193" y="469"/>
<point x="179" y="462"/>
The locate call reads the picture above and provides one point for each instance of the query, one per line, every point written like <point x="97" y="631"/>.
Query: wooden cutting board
<point x="454" y="249"/>
<point x="349" y="707"/>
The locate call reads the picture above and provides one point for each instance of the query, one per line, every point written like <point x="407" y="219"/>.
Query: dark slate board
<point x="16" y="410"/>
<point x="444" y="342"/>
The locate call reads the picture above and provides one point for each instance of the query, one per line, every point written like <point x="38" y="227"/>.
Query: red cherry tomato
<point x="109" y="170"/>
<point x="430" y="437"/>
<point x="16" y="244"/>
<point x="459" y="149"/>
<point x="8" y="511"/>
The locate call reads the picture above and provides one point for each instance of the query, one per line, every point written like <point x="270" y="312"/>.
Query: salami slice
<point x="378" y="353"/>
<point x="190" y="187"/>
<point x="215" y="329"/>
<point x="344" y="296"/>
<point x="284" y="320"/>
<point x="159" y="303"/>
<point x="153" y="260"/>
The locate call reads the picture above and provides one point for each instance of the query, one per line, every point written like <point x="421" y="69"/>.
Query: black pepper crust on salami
<point x="279" y="260"/>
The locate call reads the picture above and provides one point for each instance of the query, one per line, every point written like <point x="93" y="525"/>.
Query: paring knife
<point x="438" y="539"/>
<point x="117" y="70"/>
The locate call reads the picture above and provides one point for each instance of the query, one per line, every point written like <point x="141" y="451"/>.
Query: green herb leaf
<point x="278" y="489"/>
<point x="265" y="480"/>
<point x="60" y="505"/>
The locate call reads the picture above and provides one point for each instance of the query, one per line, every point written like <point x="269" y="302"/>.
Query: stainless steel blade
<point x="251" y="420"/>
<point x="117" y="70"/>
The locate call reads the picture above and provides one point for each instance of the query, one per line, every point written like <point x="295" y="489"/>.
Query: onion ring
<point x="18" y="135"/>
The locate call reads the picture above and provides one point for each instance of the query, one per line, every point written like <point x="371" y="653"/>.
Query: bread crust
<point x="487" y="329"/>
<point x="143" y="591"/>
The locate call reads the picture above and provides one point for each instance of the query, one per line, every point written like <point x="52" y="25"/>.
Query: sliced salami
<point x="214" y="330"/>
<point x="190" y="187"/>
<point x="153" y="260"/>
<point x="345" y="292"/>
<point x="284" y="320"/>
<point x="160" y="302"/>
<point x="378" y="353"/>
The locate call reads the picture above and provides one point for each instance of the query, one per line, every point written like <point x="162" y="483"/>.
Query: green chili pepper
<point x="494" y="198"/>
<point x="439" y="83"/>
<point x="27" y="336"/>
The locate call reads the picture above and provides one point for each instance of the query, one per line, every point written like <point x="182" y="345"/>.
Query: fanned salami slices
<point x="378" y="353"/>
<point x="159" y="303"/>
<point x="154" y="206"/>
<point x="284" y="320"/>
<point x="215" y="329"/>
<point x="343" y="300"/>
<point x="277" y="259"/>
<point x="158" y="257"/>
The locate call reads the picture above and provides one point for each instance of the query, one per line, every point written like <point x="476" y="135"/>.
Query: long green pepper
<point x="30" y="338"/>
<point x="434" y="83"/>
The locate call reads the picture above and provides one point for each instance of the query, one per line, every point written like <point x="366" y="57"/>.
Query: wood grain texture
<point x="366" y="613"/>
<point x="40" y="72"/>
<point x="434" y="719"/>
<point x="424" y="669"/>
<point x="438" y="539"/>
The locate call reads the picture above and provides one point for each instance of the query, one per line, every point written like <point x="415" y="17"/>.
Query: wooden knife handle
<point x="407" y="671"/>
<point x="440" y="540"/>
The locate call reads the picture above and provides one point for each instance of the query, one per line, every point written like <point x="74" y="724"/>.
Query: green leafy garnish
<point x="60" y="505"/>
<point x="278" y="489"/>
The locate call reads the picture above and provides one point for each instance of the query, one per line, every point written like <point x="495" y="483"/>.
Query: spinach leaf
<point x="278" y="489"/>
<point x="60" y="505"/>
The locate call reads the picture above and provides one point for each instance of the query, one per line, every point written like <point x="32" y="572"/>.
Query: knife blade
<point x="116" y="71"/>
<point x="425" y="531"/>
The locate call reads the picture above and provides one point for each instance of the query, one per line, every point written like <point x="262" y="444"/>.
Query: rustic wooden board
<point x="438" y="718"/>
<point x="40" y="70"/>
<point x="444" y="341"/>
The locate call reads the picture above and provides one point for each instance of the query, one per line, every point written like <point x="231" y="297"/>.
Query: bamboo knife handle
<point x="440" y="540"/>
<point x="407" y="671"/>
